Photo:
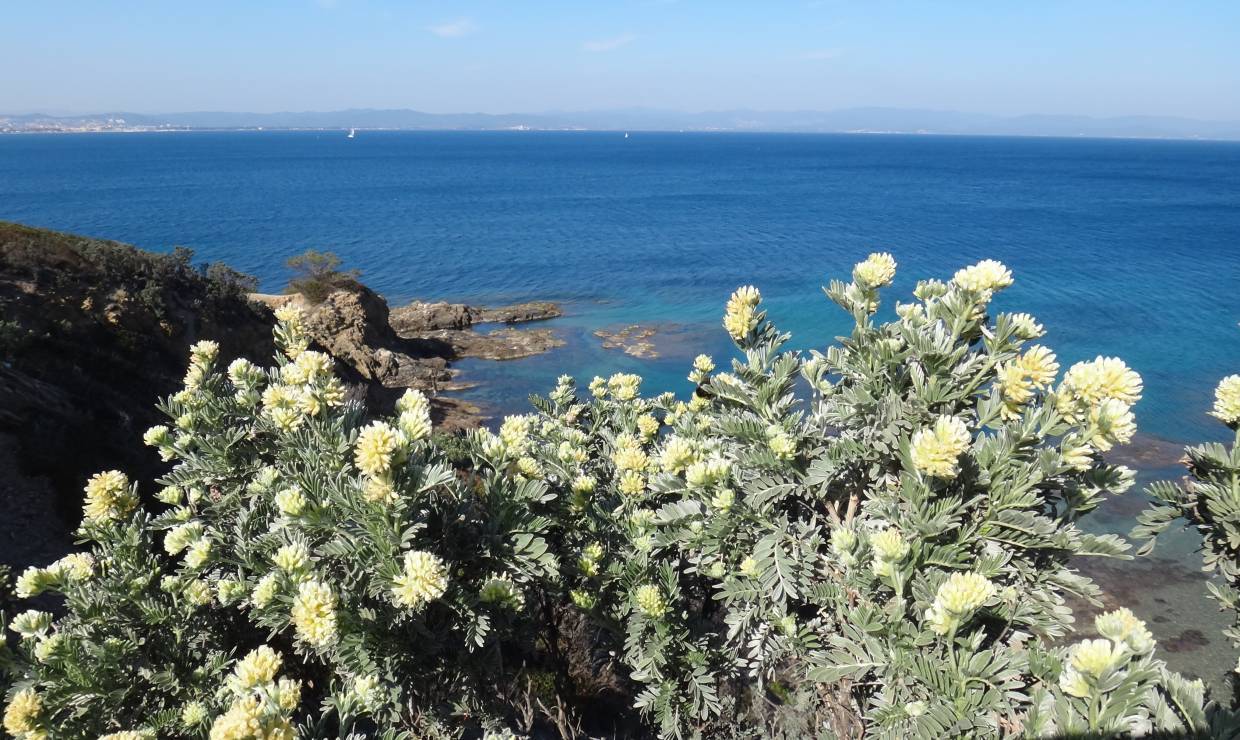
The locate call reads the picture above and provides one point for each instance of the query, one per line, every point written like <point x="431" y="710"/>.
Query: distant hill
<point x="854" y="120"/>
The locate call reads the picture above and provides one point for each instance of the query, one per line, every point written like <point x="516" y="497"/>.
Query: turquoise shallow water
<point x="1128" y="248"/>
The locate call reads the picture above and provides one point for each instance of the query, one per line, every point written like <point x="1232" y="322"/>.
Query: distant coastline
<point x="849" y="121"/>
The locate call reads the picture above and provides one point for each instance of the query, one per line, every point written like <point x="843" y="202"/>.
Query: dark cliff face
<point x="92" y="334"/>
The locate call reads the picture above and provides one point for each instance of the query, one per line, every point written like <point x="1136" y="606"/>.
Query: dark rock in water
<point x="517" y="313"/>
<point x="421" y="317"/>
<point x="1147" y="452"/>
<point x="633" y="340"/>
<point x="1187" y="641"/>
<point x="450" y="326"/>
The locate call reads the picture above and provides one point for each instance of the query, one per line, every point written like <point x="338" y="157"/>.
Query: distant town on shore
<point x="852" y="120"/>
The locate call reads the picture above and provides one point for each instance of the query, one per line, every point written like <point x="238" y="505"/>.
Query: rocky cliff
<point x="94" y="332"/>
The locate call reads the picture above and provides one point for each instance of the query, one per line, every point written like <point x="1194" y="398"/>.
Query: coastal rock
<point x="419" y="317"/>
<point x="501" y="344"/>
<point x="423" y="317"/>
<point x="518" y="313"/>
<point x="633" y="340"/>
<point x="449" y="326"/>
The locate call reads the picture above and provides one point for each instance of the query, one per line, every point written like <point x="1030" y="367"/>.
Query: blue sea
<point x="1120" y="247"/>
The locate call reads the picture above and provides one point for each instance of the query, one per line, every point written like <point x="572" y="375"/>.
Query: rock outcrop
<point x="451" y="325"/>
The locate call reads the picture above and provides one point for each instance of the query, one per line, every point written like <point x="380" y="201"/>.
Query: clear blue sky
<point x="1092" y="57"/>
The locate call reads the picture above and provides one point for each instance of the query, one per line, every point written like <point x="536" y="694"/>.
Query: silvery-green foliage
<point x="896" y="546"/>
<point x="1209" y="501"/>
<point x="354" y="552"/>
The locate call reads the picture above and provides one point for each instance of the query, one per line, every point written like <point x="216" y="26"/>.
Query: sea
<point x="1127" y="248"/>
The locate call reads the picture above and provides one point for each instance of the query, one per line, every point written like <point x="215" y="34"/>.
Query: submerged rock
<point x="419" y="317"/>
<point x="450" y="326"/>
<point x="633" y="340"/>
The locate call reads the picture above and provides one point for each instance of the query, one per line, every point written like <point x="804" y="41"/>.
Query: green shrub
<point x="889" y="555"/>
<point x="317" y="275"/>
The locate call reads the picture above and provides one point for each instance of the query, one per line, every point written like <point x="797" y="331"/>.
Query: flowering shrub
<point x="1208" y="500"/>
<point x="888" y="553"/>
<point x="293" y="535"/>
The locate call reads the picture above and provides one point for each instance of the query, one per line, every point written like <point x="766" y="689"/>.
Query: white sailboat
<point x="352" y="133"/>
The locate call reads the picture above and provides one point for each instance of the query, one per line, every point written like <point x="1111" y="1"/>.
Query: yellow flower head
<point x="1122" y="626"/>
<point x="1227" y="400"/>
<point x="1025" y="326"/>
<point x="265" y="590"/>
<point x="1039" y="365"/>
<point x="22" y="713"/>
<point x="888" y="545"/>
<point x="1094" y="657"/>
<point x="624" y="386"/>
<point x="630" y="458"/>
<point x="877" y="271"/>
<point x="632" y="483"/>
<point x="204" y="352"/>
<point x="292" y="558"/>
<point x="648" y="425"/>
<point x="77" y="566"/>
<point x="936" y="449"/>
<point x="314" y="613"/>
<point x="956" y="600"/>
<point x="986" y="276"/>
<point x="1091" y="383"/>
<point x="291" y="501"/>
<point x="650" y="601"/>
<point x="424" y="579"/>
<point x="740" y="316"/>
<point x="515" y="434"/>
<point x="257" y="668"/>
<point x="108" y="496"/>
<point x="379" y="448"/>
<point x="1113" y="423"/>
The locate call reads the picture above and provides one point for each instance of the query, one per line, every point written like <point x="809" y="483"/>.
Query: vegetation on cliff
<point x="889" y="554"/>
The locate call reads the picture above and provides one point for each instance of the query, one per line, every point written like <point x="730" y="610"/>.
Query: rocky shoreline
<point x="93" y="333"/>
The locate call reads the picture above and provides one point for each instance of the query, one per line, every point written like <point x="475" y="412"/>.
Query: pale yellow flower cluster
<point x="307" y="387"/>
<point x="956" y="600"/>
<point x="843" y="543"/>
<point x="291" y="330"/>
<point x="1122" y="626"/>
<point x="649" y="600"/>
<point x="74" y="567"/>
<point x="624" y="386"/>
<point x="780" y="443"/>
<point x="647" y="426"/>
<point x="514" y="434"/>
<point x="502" y="591"/>
<point x="936" y="449"/>
<point x="1020" y="378"/>
<point x="291" y="501"/>
<point x="292" y="558"/>
<point x="314" y="613"/>
<point x="741" y="314"/>
<point x="160" y="437"/>
<point x="890" y="549"/>
<point x="703" y="366"/>
<point x="193" y="714"/>
<point x="1100" y="394"/>
<point x="109" y="496"/>
<point x="22" y="716"/>
<point x="985" y="277"/>
<point x="423" y="579"/>
<point x="1089" y="661"/>
<point x="678" y="454"/>
<point x="262" y="706"/>
<point x="706" y="473"/>
<point x="414" y="415"/>
<point x="31" y="624"/>
<point x="258" y="667"/>
<point x="876" y="271"/>
<point x="379" y="451"/>
<point x="1025" y="326"/>
<point x="1227" y="400"/>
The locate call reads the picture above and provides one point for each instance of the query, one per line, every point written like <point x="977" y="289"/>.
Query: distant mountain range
<point x="853" y="120"/>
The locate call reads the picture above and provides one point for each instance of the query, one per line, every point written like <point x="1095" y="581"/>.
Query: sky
<point x="1085" y="57"/>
